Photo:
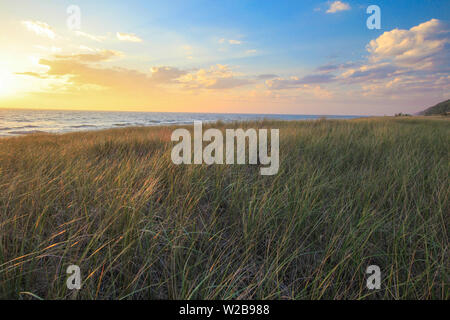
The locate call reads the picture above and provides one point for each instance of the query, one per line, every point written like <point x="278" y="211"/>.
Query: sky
<point x="227" y="56"/>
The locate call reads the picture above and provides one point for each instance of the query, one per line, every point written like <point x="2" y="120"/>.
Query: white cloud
<point x="98" y="56"/>
<point x="422" y="46"/>
<point x="166" y="74"/>
<point x="337" y="6"/>
<point x="216" y="77"/>
<point x="405" y="64"/>
<point x="371" y="71"/>
<point x="230" y="41"/>
<point x="128" y="37"/>
<point x="50" y="49"/>
<point x="295" y="82"/>
<point x="402" y="64"/>
<point x="40" y="28"/>
<point x="86" y="48"/>
<point x="89" y="36"/>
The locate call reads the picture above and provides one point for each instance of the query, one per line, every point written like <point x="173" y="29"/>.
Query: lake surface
<point x="19" y="121"/>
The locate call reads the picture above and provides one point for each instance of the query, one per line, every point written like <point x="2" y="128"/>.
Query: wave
<point x="26" y="132"/>
<point x="122" y="124"/>
<point x="84" y="126"/>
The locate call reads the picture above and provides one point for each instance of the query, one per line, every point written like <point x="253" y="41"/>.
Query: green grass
<point x="348" y="194"/>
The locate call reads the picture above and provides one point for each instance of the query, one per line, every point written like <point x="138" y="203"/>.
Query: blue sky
<point x="212" y="55"/>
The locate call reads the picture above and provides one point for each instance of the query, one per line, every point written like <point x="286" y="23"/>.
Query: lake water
<point x="19" y="121"/>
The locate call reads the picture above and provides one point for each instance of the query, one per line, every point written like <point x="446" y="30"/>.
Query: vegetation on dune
<point x="442" y="108"/>
<point x="348" y="194"/>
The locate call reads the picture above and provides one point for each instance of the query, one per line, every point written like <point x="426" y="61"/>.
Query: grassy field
<point x="349" y="193"/>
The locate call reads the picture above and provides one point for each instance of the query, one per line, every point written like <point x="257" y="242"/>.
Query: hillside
<point x="441" y="108"/>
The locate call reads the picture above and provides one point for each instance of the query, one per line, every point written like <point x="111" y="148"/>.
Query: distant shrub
<point x="402" y="115"/>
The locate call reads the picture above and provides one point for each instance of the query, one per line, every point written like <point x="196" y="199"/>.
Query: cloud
<point x="302" y="92"/>
<point x="166" y="74"/>
<point x="295" y="82"/>
<point x="405" y="64"/>
<point x="128" y="37"/>
<point x="228" y="83"/>
<point x="337" y="6"/>
<point x="230" y="41"/>
<point x="40" y="28"/>
<point x="216" y="77"/>
<point x="32" y="74"/>
<point x="188" y="50"/>
<point x="101" y="55"/>
<point x="49" y="49"/>
<point x="267" y="76"/>
<point x="328" y="68"/>
<point x="401" y="64"/>
<point x="335" y="67"/>
<point x="421" y="47"/>
<point x="80" y="73"/>
<point x="408" y="86"/>
<point x="369" y="72"/>
<point x="89" y="36"/>
<point x="86" y="48"/>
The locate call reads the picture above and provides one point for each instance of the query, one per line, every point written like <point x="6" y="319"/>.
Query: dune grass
<point x="349" y="193"/>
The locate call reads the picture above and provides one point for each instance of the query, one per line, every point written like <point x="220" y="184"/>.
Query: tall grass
<point x="348" y="194"/>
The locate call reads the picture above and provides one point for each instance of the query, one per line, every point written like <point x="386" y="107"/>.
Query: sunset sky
<point x="230" y="56"/>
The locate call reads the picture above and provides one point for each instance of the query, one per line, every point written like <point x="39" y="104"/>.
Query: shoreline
<point x="17" y="134"/>
<point x="91" y="128"/>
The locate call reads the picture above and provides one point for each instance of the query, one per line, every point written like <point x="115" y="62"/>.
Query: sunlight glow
<point x="5" y="83"/>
